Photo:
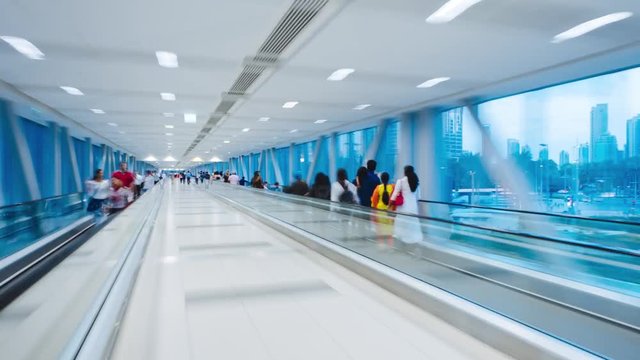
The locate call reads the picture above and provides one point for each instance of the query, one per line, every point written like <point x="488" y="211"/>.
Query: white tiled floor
<point x="216" y="284"/>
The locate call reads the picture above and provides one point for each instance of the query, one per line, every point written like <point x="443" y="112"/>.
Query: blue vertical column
<point x="55" y="169"/>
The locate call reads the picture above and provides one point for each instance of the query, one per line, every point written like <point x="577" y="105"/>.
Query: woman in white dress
<point x="407" y="229"/>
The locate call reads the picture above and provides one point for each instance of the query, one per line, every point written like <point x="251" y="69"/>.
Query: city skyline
<point x="558" y="116"/>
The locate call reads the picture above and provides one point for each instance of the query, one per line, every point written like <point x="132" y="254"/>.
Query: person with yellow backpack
<point x="381" y="197"/>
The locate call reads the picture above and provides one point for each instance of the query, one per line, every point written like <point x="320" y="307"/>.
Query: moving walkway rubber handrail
<point x="530" y="212"/>
<point x="40" y="200"/>
<point x="316" y="201"/>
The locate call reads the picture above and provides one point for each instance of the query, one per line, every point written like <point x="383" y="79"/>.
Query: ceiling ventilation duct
<point x="294" y="21"/>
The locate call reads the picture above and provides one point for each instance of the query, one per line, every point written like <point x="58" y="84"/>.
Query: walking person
<point x="342" y="190"/>
<point x="98" y="192"/>
<point x="368" y="181"/>
<point x="381" y="199"/>
<point x="321" y="188"/>
<point x="405" y="201"/>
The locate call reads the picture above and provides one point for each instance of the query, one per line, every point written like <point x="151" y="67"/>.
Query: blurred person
<point x="321" y="188"/>
<point x="149" y="182"/>
<point x="118" y="196"/>
<point x="368" y="183"/>
<point x="342" y="190"/>
<point x="404" y="200"/>
<point x="277" y="187"/>
<point x="405" y="194"/>
<point x="381" y="197"/>
<point x="137" y="189"/>
<point x="126" y="180"/>
<point x="234" y="179"/>
<point x="225" y="178"/>
<point x="242" y="182"/>
<point x="256" y="181"/>
<point x="361" y="173"/>
<point x="298" y="187"/>
<point x="98" y="191"/>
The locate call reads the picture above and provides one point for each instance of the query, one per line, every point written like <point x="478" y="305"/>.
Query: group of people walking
<point x="367" y="189"/>
<point x="115" y="194"/>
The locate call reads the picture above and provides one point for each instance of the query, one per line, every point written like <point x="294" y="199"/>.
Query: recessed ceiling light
<point x="591" y="25"/>
<point x="168" y="96"/>
<point x="361" y="107"/>
<point x="340" y="74"/>
<point x="167" y="59"/>
<point x="450" y="10"/>
<point x="112" y="124"/>
<point x="264" y="119"/>
<point x="169" y="158"/>
<point x="169" y="143"/>
<point x="293" y="131"/>
<point x="433" y="82"/>
<point x="246" y="130"/>
<point x="97" y="111"/>
<point x="169" y="134"/>
<point x="71" y="90"/>
<point x="121" y="132"/>
<point x="190" y="118"/>
<point x="215" y="159"/>
<point x="169" y="126"/>
<point x="168" y="114"/>
<point x="206" y="152"/>
<point x="321" y="121"/>
<point x="290" y="104"/>
<point x="150" y="158"/>
<point x="227" y="142"/>
<point x="196" y="159"/>
<point x="24" y="47"/>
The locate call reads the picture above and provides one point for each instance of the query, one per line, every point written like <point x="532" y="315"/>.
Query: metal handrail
<point x="40" y="200"/>
<point x="530" y="212"/>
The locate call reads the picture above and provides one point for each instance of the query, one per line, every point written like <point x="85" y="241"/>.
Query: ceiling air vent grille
<point x="224" y="106"/>
<point x="247" y="77"/>
<point x="297" y="17"/>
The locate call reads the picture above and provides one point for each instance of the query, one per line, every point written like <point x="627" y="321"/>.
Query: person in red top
<point x="125" y="177"/>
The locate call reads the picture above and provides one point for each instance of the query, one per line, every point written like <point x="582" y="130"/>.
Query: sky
<point x="558" y="116"/>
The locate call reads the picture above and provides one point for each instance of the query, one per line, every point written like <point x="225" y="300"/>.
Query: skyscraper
<point x="599" y="126"/>
<point x="633" y="137"/>
<point x="606" y="149"/>
<point x="583" y="154"/>
<point x="564" y="158"/>
<point x="513" y="147"/>
<point x="452" y="132"/>
<point x="543" y="155"/>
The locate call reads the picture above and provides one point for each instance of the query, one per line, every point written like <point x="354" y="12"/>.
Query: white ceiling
<point x="107" y="50"/>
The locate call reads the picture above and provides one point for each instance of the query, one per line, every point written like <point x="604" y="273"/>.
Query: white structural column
<point x="90" y="169"/>
<point x="73" y="159"/>
<point x="291" y="163"/>
<point x="406" y="141"/>
<point x="507" y="174"/>
<point x="333" y="148"/>
<point x="26" y="161"/>
<point x="103" y="162"/>
<point x="372" y="151"/>
<point x="276" y="166"/>
<point x="314" y="160"/>
<point x="429" y="155"/>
